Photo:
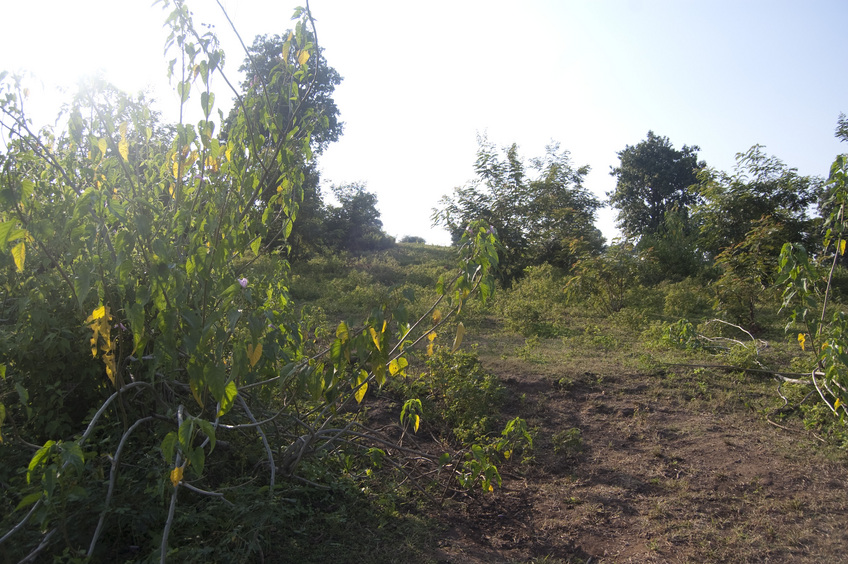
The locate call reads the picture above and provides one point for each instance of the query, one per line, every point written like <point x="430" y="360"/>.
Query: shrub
<point x="534" y="305"/>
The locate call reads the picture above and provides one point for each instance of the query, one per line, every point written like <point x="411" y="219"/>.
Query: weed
<point x="568" y="442"/>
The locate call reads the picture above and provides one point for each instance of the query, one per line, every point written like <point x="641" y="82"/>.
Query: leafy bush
<point x="456" y="391"/>
<point x="534" y="305"/>
<point x="151" y="345"/>
<point x="687" y="299"/>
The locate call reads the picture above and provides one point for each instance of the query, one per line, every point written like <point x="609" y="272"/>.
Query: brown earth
<point x="669" y="465"/>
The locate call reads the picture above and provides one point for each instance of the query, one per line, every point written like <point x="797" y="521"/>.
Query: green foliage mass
<point x="153" y="357"/>
<point x="653" y="180"/>
<point x="543" y="217"/>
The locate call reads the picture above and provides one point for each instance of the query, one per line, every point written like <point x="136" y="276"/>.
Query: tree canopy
<point x="540" y="209"/>
<point x="761" y="188"/>
<point x="653" y="179"/>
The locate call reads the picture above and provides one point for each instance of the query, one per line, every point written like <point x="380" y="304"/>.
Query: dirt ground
<point x="653" y="466"/>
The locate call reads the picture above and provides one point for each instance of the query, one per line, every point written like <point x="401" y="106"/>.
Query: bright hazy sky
<point x="422" y="79"/>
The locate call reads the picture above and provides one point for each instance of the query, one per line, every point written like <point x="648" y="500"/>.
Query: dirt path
<point x="663" y="467"/>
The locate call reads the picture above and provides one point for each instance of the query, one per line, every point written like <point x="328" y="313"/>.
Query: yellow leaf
<point x="802" y="340"/>
<point x="430" y="349"/>
<point x="19" y="254"/>
<point x="417" y="422"/>
<point x="98" y="313"/>
<point x="229" y="154"/>
<point x="111" y="367"/>
<point x="302" y="57"/>
<point x="101" y="144"/>
<point x="254" y="354"/>
<point x="491" y="489"/>
<point x="507" y="454"/>
<point x="380" y="374"/>
<point x="837" y="403"/>
<point x="123" y="146"/>
<point x="176" y="169"/>
<point x="432" y="336"/>
<point x="359" y="394"/>
<point x="460" y="333"/>
<point x="342" y="332"/>
<point x="176" y="476"/>
<point x="842" y="247"/>
<point x="437" y="316"/>
<point x="374" y="337"/>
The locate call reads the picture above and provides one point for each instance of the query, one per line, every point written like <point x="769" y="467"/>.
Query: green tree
<point x="266" y="65"/>
<point x="652" y="180"/>
<point x="761" y="188"/>
<point x="543" y="216"/>
<point x="354" y="225"/>
<point x="269" y="67"/>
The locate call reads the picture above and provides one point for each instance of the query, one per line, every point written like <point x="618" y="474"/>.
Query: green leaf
<point x="72" y="455"/>
<point x="169" y="447"/>
<point x="228" y="398"/>
<point x="254" y="246"/>
<point x="209" y="430"/>
<point x="184" y="433"/>
<point x="207" y="100"/>
<point x="38" y="458"/>
<point x="28" y="500"/>
<point x="184" y="89"/>
<point x="197" y="459"/>
<point x="82" y="285"/>
<point x="8" y="232"/>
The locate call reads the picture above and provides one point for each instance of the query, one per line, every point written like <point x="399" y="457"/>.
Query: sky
<point x="422" y="80"/>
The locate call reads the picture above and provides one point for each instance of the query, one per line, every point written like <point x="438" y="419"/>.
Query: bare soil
<point x="666" y="465"/>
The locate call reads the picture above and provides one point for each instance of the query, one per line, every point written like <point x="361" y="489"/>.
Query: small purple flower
<point x="120" y="326"/>
<point x="243" y="282"/>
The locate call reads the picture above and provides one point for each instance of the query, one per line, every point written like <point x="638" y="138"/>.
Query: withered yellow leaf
<point x="460" y="333"/>
<point x="176" y="476"/>
<point x="254" y="354"/>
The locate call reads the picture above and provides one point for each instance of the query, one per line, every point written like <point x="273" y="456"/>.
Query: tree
<point x="266" y="66"/>
<point x="652" y="180"/>
<point x="546" y="217"/>
<point x="745" y="218"/>
<point x="354" y="225"/>
<point x="761" y="188"/>
<point x="271" y="66"/>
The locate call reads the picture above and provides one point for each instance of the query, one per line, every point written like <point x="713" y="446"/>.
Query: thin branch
<point x="264" y="442"/>
<point x="163" y="549"/>
<point x="212" y="494"/>
<point x="23" y="521"/>
<point x="113" y="476"/>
